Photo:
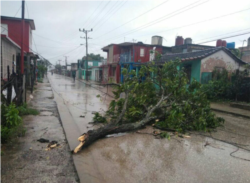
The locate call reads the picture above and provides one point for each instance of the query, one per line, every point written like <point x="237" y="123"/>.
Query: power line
<point x="51" y="39"/>
<point x="225" y="37"/>
<point x="122" y="4"/>
<point x="224" y="34"/>
<point x="162" y="18"/>
<point x="220" y="37"/>
<point x="27" y="9"/>
<point x="203" y="21"/>
<point x="101" y="11"/>
<point x="66" y="53"/>
<point x="54" y="47"/>
<point x="134" y="18"/>
<point x="40" y="54"/>
<point x="17" y="11"/>
<point x="105" y="15"/>
<point x="92" y="14"/>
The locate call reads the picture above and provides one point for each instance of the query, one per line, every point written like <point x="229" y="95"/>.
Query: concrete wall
<point x="246" y="54"/>
<point x="8" y="52"/>
<point x="110" y="55"/>
<point x="219" y="59"/>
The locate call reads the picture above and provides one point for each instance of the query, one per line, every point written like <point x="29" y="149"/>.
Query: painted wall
<point x="95" y="74"/>
<point x="145" y="58"/>
<point x="14" y="32"/>
<point x="8" y="52"/>
<point x="219" y="59"/>
<point x="4" y="29"/>
<point x="195" y="69"/>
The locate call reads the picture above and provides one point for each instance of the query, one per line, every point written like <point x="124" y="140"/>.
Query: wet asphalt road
<point x="142" y="158"/>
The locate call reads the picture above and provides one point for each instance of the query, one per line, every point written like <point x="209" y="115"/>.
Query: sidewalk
<point x="226" y="108"/>
<point x="25" y="159"/>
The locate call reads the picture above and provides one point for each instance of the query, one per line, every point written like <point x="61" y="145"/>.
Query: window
<point x="142" y="52"/>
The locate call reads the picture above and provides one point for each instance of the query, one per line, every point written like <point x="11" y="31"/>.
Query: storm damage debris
<point x="42" y="140"/>
<point x="52" y="145"/>
<point x="82" y="141"/>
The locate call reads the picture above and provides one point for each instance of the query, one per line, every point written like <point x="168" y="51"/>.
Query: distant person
<point x="74" y="75"/>
<point x="51" y="72"/>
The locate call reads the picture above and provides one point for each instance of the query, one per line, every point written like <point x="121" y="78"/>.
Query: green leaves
<point x="98" y="118"/>
<point x="10" y="121"/>
<point x="185" y="108"/>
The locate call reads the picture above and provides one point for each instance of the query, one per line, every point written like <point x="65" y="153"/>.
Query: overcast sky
<point x="58" y="22"/>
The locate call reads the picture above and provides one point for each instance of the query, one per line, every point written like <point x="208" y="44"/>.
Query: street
<point x="139" y="157"/>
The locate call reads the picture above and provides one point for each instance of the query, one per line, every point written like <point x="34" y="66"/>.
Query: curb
<point x="227" y="112"/>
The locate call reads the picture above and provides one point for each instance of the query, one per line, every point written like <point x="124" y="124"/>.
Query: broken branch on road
<point x="156" y="94"/>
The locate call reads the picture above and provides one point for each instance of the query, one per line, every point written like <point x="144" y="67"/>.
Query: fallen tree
<point x="159" y="94"/>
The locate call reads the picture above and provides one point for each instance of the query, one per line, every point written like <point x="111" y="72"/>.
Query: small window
<point x="142" y="52"/>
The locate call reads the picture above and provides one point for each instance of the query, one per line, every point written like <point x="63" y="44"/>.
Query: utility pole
<point x="242" y="49"/>
<point x="22" y="45"/>
<point x="66" y="60"/>
<point x="60" y="69"/>
<point x="86" y="37"/>
<point x="65" y="65"/>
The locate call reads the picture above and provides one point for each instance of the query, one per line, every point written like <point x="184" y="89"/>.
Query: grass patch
<point x="11" y="122"/>
<point x="2" y="153"/>
<point x="25" y="110"/>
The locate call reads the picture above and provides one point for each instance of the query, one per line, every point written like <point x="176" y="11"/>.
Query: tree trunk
<point x="92" y="135"/>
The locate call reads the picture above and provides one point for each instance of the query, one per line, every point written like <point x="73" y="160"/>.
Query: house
<point x="81" y="73"/>
<point x="200" y="64"/>
<point x="96" y="73"/>
<point x="9" y="53"/>
<point x="11" y="28"/>
<point x="128" y="53"/>
<point x="246" y="52"/>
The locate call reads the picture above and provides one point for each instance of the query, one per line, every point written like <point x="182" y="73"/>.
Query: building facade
<point x="12" y="28"/>
<point x="9" y="55"/>
<point x="200" y="65"/>
<point x="126" y="55"/>
<point x="246" y="52"/>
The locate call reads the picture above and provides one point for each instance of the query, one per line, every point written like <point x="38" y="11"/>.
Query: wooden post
<point x="24" y="90"/>
<point x="9" y="88"/>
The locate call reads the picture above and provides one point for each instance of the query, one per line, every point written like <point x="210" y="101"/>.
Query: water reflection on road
<point x="142" y="158"/>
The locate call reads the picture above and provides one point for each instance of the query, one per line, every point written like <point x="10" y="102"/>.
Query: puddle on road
<point x="66" y="84"/>
<point x="46" y="113"/>
<point x="116" y="135"/>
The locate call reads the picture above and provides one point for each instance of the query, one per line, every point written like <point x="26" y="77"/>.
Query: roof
<point x="5" y="37"/>
<point x="198" y="55"/>
<point x="31" y="21"/>
<point x="131" y="44"/>
<point x="184" y="45"/>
